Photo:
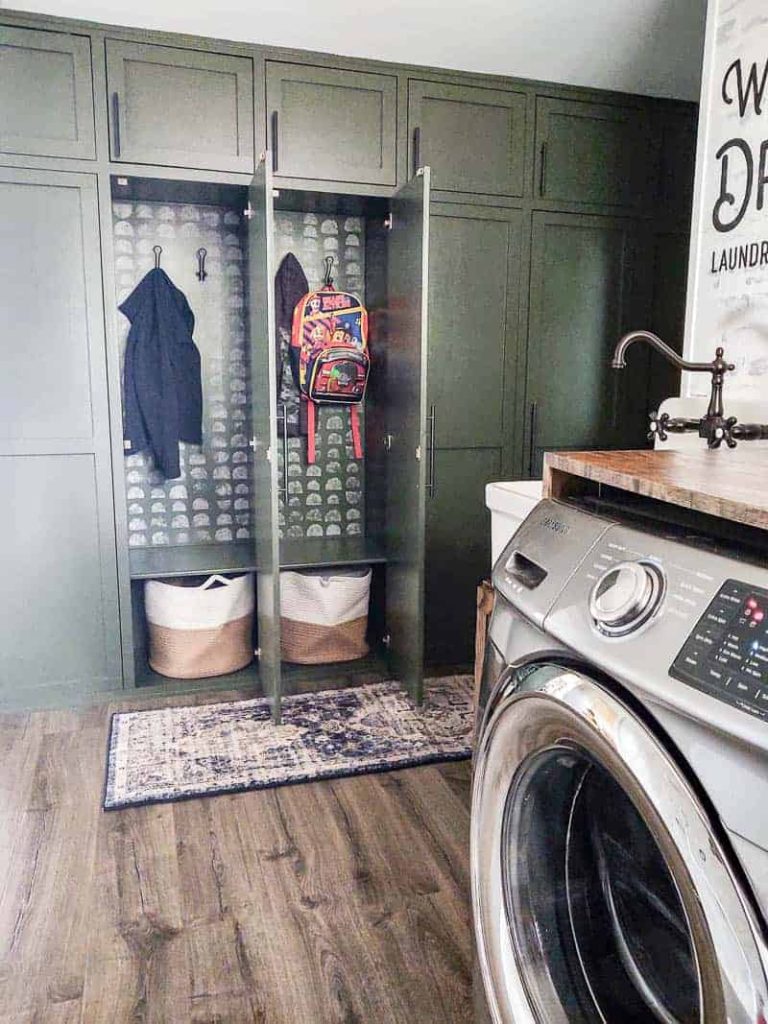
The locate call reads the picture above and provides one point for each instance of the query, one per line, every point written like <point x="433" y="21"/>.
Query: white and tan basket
<point x="200" y="630"/>
<point x="324" y="615"/>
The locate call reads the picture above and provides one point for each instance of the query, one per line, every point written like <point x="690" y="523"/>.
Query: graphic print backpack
<point x="329" y="346"/>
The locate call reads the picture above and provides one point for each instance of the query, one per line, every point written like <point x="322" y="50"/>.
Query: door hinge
<point x="387" y="442"/>
<point x="268" y="454"/>
<point x="253" y="444"/>
<point x="418" y="453"/>
<point x="389" y="221"/>
<point x="386" y="640"/>
<point x="257" y="653"/>
<point x="249" y="212"/>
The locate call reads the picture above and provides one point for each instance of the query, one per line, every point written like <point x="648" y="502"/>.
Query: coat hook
<point x="201" y="272"/>
<point x="157" y="250"/>
<point x="328" y="276"/>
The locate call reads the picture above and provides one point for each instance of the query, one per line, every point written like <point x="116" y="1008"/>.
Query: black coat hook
<point x="328" y="276"/>
<point x="157" y="250"/>
<point x="201" y="272"/>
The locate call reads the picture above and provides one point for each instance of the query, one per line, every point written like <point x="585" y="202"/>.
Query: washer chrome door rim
<point x="553" y="707"/>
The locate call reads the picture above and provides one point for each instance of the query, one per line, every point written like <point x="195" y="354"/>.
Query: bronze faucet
<point x="714" y="427"/>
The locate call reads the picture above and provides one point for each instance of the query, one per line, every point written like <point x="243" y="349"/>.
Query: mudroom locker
<point x="247" y="500"/>
<point x="521" y="225"/>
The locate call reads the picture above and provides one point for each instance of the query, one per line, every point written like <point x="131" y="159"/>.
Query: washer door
<point x="600" y="891"/>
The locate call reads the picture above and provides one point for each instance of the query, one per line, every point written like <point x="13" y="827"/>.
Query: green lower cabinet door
<point x="474" y="303"/>
<point x="59" y="619"/>
<point x="587" y="288"/>
<point x="458" y="552"/>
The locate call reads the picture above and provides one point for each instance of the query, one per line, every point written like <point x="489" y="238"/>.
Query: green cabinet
<point x="677" y="163"/>
<point x="46" y="96"/>
<point x="327" y="124"/>
<point x="58" y="587"/>
<point x="587" y="289"/>
<point x="594" y="154"/>
<point x="473" y="138"/>
<point x="180" y="108"/>
<point x="474" y="310"/>
<point x="458" y="551"/>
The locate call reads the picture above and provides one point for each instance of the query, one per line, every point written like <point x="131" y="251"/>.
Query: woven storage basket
<point x="200" y="630"/>
<point x="324" y="615"/>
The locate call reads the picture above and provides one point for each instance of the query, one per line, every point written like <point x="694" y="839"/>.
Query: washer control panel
<point x="726" y="655"/>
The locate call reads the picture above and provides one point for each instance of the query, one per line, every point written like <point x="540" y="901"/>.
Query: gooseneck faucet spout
<point x="619" y="355"/>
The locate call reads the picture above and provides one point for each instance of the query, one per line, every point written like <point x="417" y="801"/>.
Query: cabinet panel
<point x="677" y="163"/>
<point x="458" y="551"/>
<point x="667" y="315"/>
<point x="585" y="293"/>
<point x="332" y="125"/>
<point x="596" y="154"/>
<point x="473" y="139"/>
<point x="473" y="323"/>
<point x="47" y="96"/>
<point x="58" y="592"/>
<point x="180" y="108"/>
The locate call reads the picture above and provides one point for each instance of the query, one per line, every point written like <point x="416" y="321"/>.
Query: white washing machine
<point x="619" y="837"/>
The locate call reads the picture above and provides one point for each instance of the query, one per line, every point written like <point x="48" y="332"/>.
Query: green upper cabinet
<point x="677" y="162"/>
<point x="594" y="154"/>
<point x="326" y="124"/>
<point x="180" y="108"/>
<point x="474" y="301"/>
<point x="46" y="95"/>
<point x="472" y="138"/>
<point x="587" y="289"/>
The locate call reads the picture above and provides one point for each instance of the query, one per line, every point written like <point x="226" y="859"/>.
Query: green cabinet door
<point x="327" y="124"/>
<point x="594" y="154"/>
<point x="472" y="138"/>
<point x="587" y="288"/>
<point x="474" y="304"/>
<point x="677" y="162"/>
<point x="59" y="619"/>
<point x="458" y="553"/>
<point x="261" y="269"/>
<point x="46" y="96"/>
<point x="404" y="371"/>
<point x="180" y="108"/>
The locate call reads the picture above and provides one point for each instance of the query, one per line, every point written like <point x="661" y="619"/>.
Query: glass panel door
<point x="264" y="441"/>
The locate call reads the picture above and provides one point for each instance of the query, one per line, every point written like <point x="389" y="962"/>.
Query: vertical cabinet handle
<point x="416" y="150"/>
<point x="431" y="480"/>
<point x="285" y="453"/>
<point x="116" y="123"/>
<point x="273" y="133"/>
<point x="534" y="432"/>
<point x="543" y="169"/>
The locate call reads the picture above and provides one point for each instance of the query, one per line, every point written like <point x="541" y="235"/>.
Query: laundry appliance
<point x="619" y="834"/>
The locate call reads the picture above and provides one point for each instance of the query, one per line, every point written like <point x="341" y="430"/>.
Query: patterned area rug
<point x="175" y="753"/>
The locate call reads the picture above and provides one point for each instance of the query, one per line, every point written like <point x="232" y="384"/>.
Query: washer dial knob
<point x="625" y="597"/>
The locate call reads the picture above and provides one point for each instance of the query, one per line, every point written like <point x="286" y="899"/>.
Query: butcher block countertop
<point x="729" y="484"/>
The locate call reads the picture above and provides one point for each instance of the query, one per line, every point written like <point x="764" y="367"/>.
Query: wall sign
<point x="728" y="282"/>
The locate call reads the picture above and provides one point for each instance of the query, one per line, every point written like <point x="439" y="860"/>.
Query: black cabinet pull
<point x="431" y="480"/>
<point x="543" y="169"/>
<point x="534" y="432"/>
<point x="416" y="150"/>
<point x="273" y="132"/>
<point x="116" y="123"/>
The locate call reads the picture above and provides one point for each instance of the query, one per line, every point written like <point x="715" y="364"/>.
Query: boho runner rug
<point x="175" y="753"/>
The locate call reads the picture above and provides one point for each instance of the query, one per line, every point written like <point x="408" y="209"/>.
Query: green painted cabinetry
<point x="46" y="96"/>
<point x="327" y="124"/>
<point x="180" y="108"/>
<point x="594" y="154"/>
<point x="472" y="138"/>
<point x="58" y="586"/>
<point x="587" y="289"/>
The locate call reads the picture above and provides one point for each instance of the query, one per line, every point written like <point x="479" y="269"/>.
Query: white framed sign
<point x="728" y="275"/>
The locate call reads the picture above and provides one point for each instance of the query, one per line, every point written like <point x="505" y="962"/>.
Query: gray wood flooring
<point x="343" y="901"/>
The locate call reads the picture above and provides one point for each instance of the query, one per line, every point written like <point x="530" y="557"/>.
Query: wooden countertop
<point x="731" y="484"/>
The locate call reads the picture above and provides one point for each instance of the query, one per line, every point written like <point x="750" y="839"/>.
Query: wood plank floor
<point x="342" y="901"/>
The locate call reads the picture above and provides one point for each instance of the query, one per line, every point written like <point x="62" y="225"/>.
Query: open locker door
<point x="261" y="277"/>
<point x="406" y="417"/>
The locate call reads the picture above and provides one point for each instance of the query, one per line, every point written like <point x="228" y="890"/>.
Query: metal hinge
<point x="386" y="640"/>
<point x="249" y="212"/>
<point x="253" y="444"/>
<point x="257" y="653"/>
<point x="269" y="454"/>
<point x="418" y="453"/>
<point x="387" y="442"/>
<point x="389" y="221"/>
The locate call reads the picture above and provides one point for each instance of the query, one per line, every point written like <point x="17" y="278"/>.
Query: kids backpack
<point x="329" y="355"/>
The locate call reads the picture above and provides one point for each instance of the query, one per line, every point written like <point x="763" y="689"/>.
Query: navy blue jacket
<point x="163" y="389"/>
